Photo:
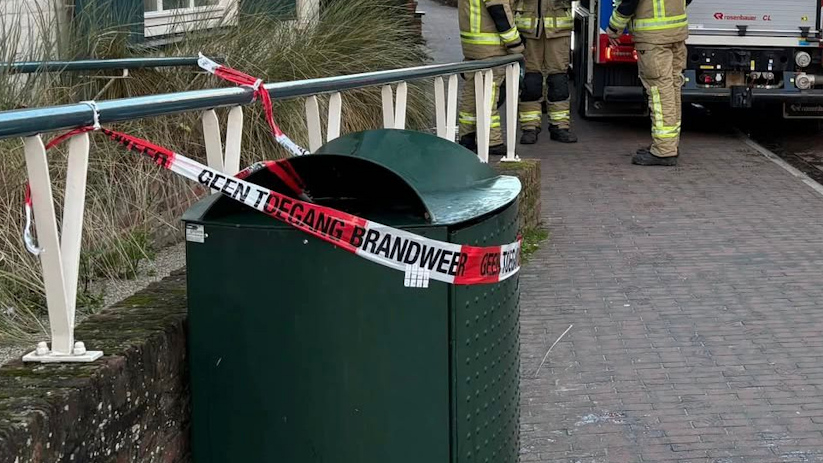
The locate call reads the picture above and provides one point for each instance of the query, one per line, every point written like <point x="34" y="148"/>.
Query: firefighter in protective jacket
<point x="660" y="29"/>
<point x="546" y="26"/>
<point x="486" y="30"/>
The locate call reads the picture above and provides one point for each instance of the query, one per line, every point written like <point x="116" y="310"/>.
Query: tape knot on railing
<point x="256" y="84"/>
<point x="95" y="113"/>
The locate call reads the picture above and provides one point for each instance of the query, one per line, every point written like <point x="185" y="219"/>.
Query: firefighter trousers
<point x="549" y="58"/>
<point x="661" y="71"/>
<point x="468" y="110"/>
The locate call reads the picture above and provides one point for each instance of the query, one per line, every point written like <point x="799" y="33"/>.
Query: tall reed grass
<point x="132" y="208"/>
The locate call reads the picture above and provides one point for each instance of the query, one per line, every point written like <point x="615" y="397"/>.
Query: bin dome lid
<point x="450" y="180"/>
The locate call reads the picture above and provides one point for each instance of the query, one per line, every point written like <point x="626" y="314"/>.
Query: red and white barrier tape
<point x="420" y="258"/>
<point x="240" y="78"/>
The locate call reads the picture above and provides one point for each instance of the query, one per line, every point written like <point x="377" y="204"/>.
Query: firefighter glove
<point x="614" y="36"/>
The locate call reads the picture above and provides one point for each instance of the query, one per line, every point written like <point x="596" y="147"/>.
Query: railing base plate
<point x="51" y="357"/>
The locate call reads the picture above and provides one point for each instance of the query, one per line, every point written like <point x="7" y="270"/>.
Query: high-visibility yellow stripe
<point x="481" y="38"/>
<point x="558" y="22"/>
<point x="523" y="22"/>
<point x="666" y="131"/>
<point x="672" y="22"/>
<point x="560" y="115"/>
<point x="667" y="136"/>
<point x="474" y="15"/>
<point x="657" y="103"/>
<point x="565" y="22"/>
<point x="529" y="116"/>
<point x="618" y="21"/>
<point x="467" y="119"/>
<point x="510" y="36"/>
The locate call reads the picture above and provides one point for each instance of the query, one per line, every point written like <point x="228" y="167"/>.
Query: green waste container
<point x="301" y="352"/>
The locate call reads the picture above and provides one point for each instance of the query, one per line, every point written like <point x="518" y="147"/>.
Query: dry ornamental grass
<point x="132" y="207"/>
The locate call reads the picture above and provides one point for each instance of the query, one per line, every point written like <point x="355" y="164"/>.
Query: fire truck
<point x="741" y="52"/>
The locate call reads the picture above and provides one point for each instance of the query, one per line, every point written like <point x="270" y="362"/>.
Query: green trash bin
<point x="301" y="352"/>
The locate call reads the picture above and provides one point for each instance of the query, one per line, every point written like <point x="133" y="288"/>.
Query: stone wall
<point x="528" y="171"/>
<point x="130" y="406"/>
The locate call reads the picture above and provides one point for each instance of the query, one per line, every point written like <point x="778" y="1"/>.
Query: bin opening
<point x="355" y="185"/>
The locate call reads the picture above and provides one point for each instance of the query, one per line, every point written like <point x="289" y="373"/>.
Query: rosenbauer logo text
<point x="739" y="17"/>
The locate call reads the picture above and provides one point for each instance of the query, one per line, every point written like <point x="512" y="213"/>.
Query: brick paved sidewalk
<point x="695" y="295"/>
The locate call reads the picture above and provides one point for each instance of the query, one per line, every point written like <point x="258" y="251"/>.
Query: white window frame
<point x="176" y="21"/>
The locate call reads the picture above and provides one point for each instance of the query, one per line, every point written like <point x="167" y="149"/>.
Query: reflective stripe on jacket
<point x="652" y="21"/>
<point x="543" y="18"/>
<point x="487" y="29"/>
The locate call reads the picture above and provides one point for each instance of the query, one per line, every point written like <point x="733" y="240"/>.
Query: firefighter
<point x="546" y="26"/>
<point x="486" y="30"/>
<point x="660" y="29"/>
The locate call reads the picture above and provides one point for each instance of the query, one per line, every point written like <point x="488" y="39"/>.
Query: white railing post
<point x="440" y="107"/>
<point x="394" y="116"/>
<point x="451" y="109"/>
<point x="214" y="144"/>
<point x="234" y="141"/>
<point x="400" y="106"/>
<point x="62" y="341"/>
<point x="60" y="272"/>
<point x="388" y="107"/>
<point x="446" y="107"/>
<point x="227" y="161"/>
<point x="73" y="211"/>
<point x="313" y="123"/>
<point x="483" y="85"/>
<point x="335" y="116"/>
<point x="512" y="100"/>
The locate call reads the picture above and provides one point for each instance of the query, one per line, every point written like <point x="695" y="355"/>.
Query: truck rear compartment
<point x="785" y="18"/>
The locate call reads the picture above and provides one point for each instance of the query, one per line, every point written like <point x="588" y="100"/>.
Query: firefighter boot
<point x="529" y="136"/>
<point x="469" y="141"/>
<point x="562" y="135"/>
<point x="644" y="157"/>
<point x="497" y="150"/>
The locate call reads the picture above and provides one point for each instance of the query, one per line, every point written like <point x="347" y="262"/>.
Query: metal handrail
<point x="25" y="122"/>
<point x="30" y="67"/>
